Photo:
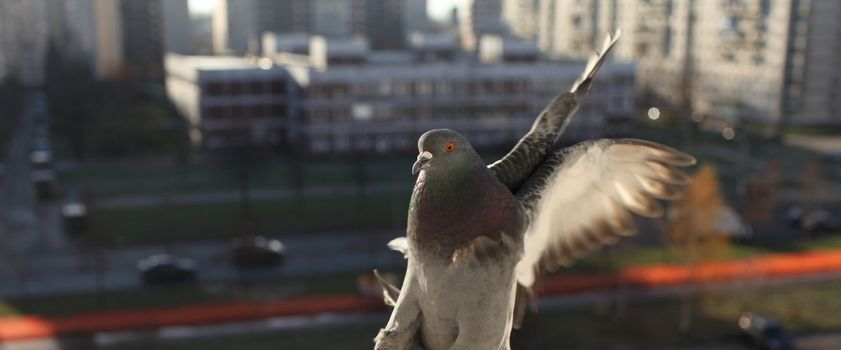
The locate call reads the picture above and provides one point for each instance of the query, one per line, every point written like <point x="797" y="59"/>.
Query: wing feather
<point x="529" y="153"/>
<point x="582" y="198"/>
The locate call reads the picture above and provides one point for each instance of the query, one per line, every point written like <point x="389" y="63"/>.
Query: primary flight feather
<point x="478" y="236"/>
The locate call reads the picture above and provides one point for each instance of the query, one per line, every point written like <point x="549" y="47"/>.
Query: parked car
<point x="765" y="333"/>
<point x="43" y="180"/>
<point x="40" y="103"/>
<point x="159" y="269"/>
<point x="41" y="143"/>
<point x="41" y="158"/>
<point x="256" y="252"/>
<point x="75" y="217"/>
<point x="812" y="222"/>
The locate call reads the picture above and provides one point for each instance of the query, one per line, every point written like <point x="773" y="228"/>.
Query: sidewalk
<point x="638" y="278"/>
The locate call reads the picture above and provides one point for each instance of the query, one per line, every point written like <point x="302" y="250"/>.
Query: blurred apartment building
<point x="117" y="38"/>
<point x="24" y="33"/>
<point x="482" y="17"/>
<point x="179" y="35"/>
<point x="225" y="99"/>
<point x="344" y="97"/>
<point x="759" y="59"/>
<point x="238" y="24"/>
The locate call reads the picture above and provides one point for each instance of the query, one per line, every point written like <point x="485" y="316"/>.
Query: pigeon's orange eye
<point x="450" y="146"/>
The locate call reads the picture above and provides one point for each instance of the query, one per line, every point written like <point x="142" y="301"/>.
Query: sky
<point x="437" y="9"/>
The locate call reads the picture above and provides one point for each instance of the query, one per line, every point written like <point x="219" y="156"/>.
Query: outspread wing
<point x="527" y="155"/>
<point x="582" y="198"/>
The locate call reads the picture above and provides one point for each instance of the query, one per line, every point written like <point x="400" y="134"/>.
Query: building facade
<point x="142" y="31"/>
<point x="417" y="20"/>
<point x="521" y="17"/>
<point x="24" y="37"/>
<point x="771" y="61"/>
<point x="231" y="101"/>
<point x="354" y="100"/>
<point x="178" y="34"/>
<point x="482" y="17"/>
<point x="238" y="25"/>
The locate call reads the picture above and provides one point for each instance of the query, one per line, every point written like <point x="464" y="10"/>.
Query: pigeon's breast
<point x="447" y="217"/>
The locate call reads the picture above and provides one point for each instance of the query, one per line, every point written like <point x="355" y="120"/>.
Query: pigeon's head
<point x="443" y="149"/>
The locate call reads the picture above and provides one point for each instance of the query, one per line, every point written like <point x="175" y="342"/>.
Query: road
<point x="25" y="223"/>
<point x="76" y="272"/>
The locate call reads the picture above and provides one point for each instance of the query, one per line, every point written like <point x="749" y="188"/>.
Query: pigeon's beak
<point x="423" y="158"/>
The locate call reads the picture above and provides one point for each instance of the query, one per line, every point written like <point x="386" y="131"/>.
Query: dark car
<point x="256" y="252"/>
<point x="765" y="333"/>
<point x="162" y="269"/>
<point x="812" y="222"/>
<point x="43" y="180"/>
<point x="75" y="216"/>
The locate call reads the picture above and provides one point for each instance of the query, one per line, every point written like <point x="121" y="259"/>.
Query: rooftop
<point x="218" y="62"/>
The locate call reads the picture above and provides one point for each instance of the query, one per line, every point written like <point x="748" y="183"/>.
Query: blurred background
<point x="212" y="174"/>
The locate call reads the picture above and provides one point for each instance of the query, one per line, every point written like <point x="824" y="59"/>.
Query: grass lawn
<point x="117" y="179"/>
<point x="162" y="178"/>
<point x="184" y="223"/>
<point x="642" y="325"/>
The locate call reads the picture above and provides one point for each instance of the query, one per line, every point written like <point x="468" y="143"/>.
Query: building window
<point x="256" y="88"/>
<point x="237" y="88"/>
<point x="238" y="112"/>
<point x="278" y="87"/>
<point x="278" y="110"/>
<point x="214" y="89"/>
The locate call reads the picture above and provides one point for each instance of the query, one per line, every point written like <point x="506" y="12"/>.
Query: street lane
<point x="306" y="254"/>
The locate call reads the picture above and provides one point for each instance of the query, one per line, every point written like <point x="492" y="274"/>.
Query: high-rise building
<point x="108" y="57"/>
<point x="754" y="59"/>
<point x="90" y="30"/>
<point x="416" y="18"/>
<point x="143" y="38"/>
<point x="385" y="24"/>
<point x="177" y="25"/>
<point x="775" y="61"/>
<point x="24" y="37"/>
<point x="72" y="26"/>
<point x="338" y="18"/>
<point x="812" y="92"/>
<point x="237" y="25"/>
<point x="482" y="17"/>
<point x="287" y="16"/>
<point x="521" y="17"/>
<point x="234" y="27"/>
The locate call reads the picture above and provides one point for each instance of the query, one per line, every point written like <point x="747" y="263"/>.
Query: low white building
<point x="383" y="101"/>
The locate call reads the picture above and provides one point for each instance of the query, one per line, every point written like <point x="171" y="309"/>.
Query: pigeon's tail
<point x="524" y="294"/>
<point x="390" y="292"/>
<point x="595" y="62"/>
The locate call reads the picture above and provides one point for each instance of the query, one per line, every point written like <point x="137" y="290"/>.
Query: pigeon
<point x="478" y="236"/>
